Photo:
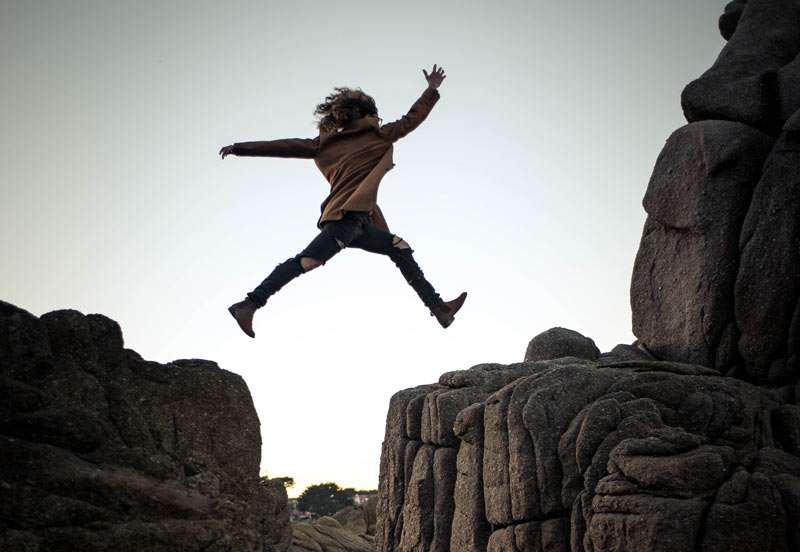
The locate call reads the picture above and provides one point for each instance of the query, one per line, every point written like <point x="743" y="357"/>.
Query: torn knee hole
<point x="309" y="263"/>
<point x="400" y="243"/>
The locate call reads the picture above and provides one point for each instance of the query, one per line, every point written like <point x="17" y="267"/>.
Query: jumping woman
<point x="353" y="151"/>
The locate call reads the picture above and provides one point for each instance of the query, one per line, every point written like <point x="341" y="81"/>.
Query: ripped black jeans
<point x="353" y="230"/>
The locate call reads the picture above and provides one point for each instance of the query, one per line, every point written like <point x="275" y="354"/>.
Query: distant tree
<point x="287" y="481"/>
<point x="325" y="499"/>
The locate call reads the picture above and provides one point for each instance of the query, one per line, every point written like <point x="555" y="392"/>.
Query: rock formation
<point x="687" y="440"/>
<point x="328" y="535"/>
<point x="351" y="529"/>
<point x="716" y="277"/>
<point x="102" y="450"/>
<point x="359" y="519"/>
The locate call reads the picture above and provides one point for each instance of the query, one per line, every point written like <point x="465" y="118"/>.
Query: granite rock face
<point x="717" y="275"/>
<point x="686" y="440"/>
<point x="682" y="291"/>
<point x="102" y="450"/>
<point x="767" y="292"/>
<point x="756" y="78"/>
<point x="579" y="455"/>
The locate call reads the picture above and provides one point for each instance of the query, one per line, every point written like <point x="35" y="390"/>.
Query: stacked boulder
<point x="688" y="439"/>
<point x="102" y="450"/>
<point x="717" y="277"/>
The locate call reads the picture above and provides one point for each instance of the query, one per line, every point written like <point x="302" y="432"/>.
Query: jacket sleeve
<point x="305" y="148"/>
<point x="411" y="120"/>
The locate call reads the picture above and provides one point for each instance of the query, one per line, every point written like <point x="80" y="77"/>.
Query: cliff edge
<point x="102" y="450"/>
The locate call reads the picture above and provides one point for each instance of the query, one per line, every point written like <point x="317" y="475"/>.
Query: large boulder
<point x="756" y="78"/>
<point x="561" y="342"/>
<point x="768" y="281"/>
<point x="102" y="450"/>
<point x="358" y="519"/>
<point x="682" y="288"/>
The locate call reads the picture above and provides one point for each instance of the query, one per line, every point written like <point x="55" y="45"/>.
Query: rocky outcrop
<point x="717" y="276"/>
<point x="689" y="439"/>
<point x="756" y="78"/>
<point x="573" y="454"/>
<point x="102" y="450"/>
<point x="682" y="291"/>
<point x="327" y="534"/>
<point x="359" y="519"/>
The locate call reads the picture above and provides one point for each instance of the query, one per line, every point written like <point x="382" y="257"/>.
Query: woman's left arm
<point x="304" y="148"/>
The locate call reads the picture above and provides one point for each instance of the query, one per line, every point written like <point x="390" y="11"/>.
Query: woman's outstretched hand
<point x="227" y="150"/>
<point x="435" y="78"/>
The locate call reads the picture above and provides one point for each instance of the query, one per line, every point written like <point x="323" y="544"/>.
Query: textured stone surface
<point x="561" y="342"/>
<point x="358" y="519"/>
<point x="102" y="450"/>
<point x="328" y="535"/>
<point x="729" y="20"/>
<point x="768" y="282"/>
<point x="577" y="455"/>
<point x="470" y="528"/>
<point x="682" y="288"/>
<point x="754" y="80"/>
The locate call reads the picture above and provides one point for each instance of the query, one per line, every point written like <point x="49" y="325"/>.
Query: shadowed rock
<point x="102" y="450"/>
<point x="768" y="281"/>
<point x="755" y="78"/>
<point x="682" y="288"/>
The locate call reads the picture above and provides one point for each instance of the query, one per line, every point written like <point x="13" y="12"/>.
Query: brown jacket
<point x="353" y="159"/>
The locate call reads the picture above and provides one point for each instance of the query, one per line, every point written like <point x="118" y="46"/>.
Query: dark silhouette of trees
<point x="325" y="499"/>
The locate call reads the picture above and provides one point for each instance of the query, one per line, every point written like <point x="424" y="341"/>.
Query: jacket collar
<point x="355" y="126"/>
<point x="363" y="122"/>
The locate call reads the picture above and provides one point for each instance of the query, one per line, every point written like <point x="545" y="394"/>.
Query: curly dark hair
<point x="343" y="106"/>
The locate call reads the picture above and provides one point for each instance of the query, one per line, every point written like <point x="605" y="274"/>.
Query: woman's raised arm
<point x="419" y="110"/>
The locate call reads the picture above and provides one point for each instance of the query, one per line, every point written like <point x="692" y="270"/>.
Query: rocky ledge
<point x="102" y="450"/>
<point x="613" y="453"/>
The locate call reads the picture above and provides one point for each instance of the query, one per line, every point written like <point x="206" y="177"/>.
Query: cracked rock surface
<point x="717" y="276"/>
<point x="574" y="454"/>
<point x="102" y="450"/>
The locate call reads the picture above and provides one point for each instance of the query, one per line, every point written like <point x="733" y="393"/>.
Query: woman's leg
<point x="375" y="240"/>
<point x="333" y="237"/>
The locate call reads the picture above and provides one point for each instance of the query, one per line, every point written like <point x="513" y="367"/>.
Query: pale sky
<point x="523" y="187"/>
